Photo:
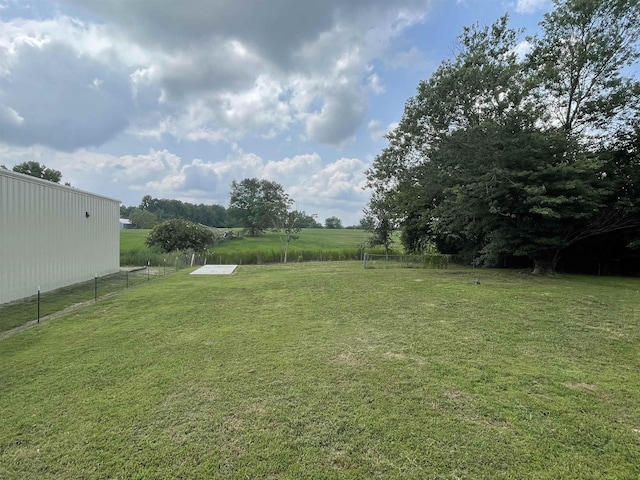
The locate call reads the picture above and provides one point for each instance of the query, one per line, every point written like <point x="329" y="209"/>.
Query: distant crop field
<point x="312" y="244"/>
<point x="330" y="370"/>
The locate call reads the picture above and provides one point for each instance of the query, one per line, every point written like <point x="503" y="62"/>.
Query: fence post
<point x="148" y="263"/>
<point x="38" y="303"/>
<point x="164" y="261"/>
<point x="127" y="279"/>
<point x="95" y="288"/>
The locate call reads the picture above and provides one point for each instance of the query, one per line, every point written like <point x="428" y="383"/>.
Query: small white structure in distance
<point x="215" y="270"/>
<point x="125" y="223"/>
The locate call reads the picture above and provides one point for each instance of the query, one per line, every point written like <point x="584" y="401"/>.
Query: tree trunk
<point x="546" y="265"/>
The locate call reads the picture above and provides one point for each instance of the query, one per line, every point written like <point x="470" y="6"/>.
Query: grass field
<point x="312" y="244"/>
<point x="327" y="370"/>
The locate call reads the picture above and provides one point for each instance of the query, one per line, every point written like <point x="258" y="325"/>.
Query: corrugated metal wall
<point x="46" y="238"/>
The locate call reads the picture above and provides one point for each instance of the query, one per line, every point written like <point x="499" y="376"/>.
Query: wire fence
<point x="406" y="261"/>
<point x="41" y="305"/>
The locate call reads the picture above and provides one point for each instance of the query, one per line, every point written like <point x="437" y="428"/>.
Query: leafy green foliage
<point x="143" y="218"/>
<point x="500" y="157"/>
<point x="258" y="204"/>
<point x="38" y="170"/>
<point x="306" y="221"/>
<point x="333" y="222"/>
<point x="163" y="209"/>
<point x="380" y="222"/>
<point x="288" y="227"/>
<point x="180" y="235"/>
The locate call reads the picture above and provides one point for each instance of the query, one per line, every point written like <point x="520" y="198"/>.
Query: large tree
<point x="258" y="204"/>
<point x="333" y="223"/>
<point x="143" y="218"/>
<point x="180" y="235"/>
<point x="38" y="170"/>
<point x="498" y="157"/>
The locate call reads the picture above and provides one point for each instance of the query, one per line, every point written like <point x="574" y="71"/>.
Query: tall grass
<point x="259" y="257"/>
<point x="312" y="245"/>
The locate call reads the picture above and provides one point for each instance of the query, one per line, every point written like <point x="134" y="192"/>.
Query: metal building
<point x="52" y="236"/>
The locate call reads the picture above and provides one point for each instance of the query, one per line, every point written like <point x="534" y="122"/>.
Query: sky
<point x="177" y="99"/>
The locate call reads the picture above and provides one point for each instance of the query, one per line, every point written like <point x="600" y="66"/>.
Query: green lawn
<point x="132" y="239"/>
<point x="327" y="370"/>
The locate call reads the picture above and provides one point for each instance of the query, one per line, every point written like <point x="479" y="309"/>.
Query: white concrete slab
<point x="215" y="270"/>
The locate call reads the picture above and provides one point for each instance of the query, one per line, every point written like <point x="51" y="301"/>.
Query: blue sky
<point x="178" y="99"/>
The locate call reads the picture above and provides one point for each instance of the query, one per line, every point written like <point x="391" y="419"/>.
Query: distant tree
<point x="258" y="205"/>
<point x="180" y="235"/>
<point x="37" y="170"/>
<point x="288" y="227"/>
<point x="307" y="221"/>
<point x="333" y="222"/>
<point x="164" y="209"/>
<point x="147" y="202"/>
<point x="125" y="212"/>
<point x="380" y="223"/>
<point x="366" y="223"/>
<point x="143" y="218"/>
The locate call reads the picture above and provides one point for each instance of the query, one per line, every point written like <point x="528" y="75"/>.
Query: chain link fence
<point x="42" y="305"/>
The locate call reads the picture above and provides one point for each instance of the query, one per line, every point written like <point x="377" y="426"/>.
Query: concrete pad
<point x="215" y="270"/>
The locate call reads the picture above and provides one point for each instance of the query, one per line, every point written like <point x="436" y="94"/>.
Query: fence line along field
<point x="330" y="370"/>
<point x="312" y="244"/>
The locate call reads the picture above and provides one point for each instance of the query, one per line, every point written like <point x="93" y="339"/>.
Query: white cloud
<point x="131" y="76"/>
<point x="523" y="48"/>
<point x="9" y="116"/>
<point x="531" y="6"/>
<point x="54" y="90"/>
<point x="201" y="71"/>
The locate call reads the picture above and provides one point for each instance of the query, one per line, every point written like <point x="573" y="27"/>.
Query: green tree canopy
<point x="164" y="209"/>
<point x="180" y="235"/>
<point x="143" y="218"/>
<point x="38" y="170"/>
<point x="333" y="222"/>
<point x="498" y="156"/>
<point x="306" y="221"/>
<point x="258" y="205"/>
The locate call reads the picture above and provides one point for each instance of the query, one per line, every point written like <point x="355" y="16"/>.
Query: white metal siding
<point x="46" y="239"/>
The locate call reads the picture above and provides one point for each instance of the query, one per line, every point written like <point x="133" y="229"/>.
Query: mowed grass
<point x="327" y="370"/>
<point x="133" y="239"/>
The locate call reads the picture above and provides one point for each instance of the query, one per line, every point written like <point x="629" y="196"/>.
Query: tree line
<point x="510" y="160"/>
<point x="257" y="205"/>
<point x="152" y="211"/>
